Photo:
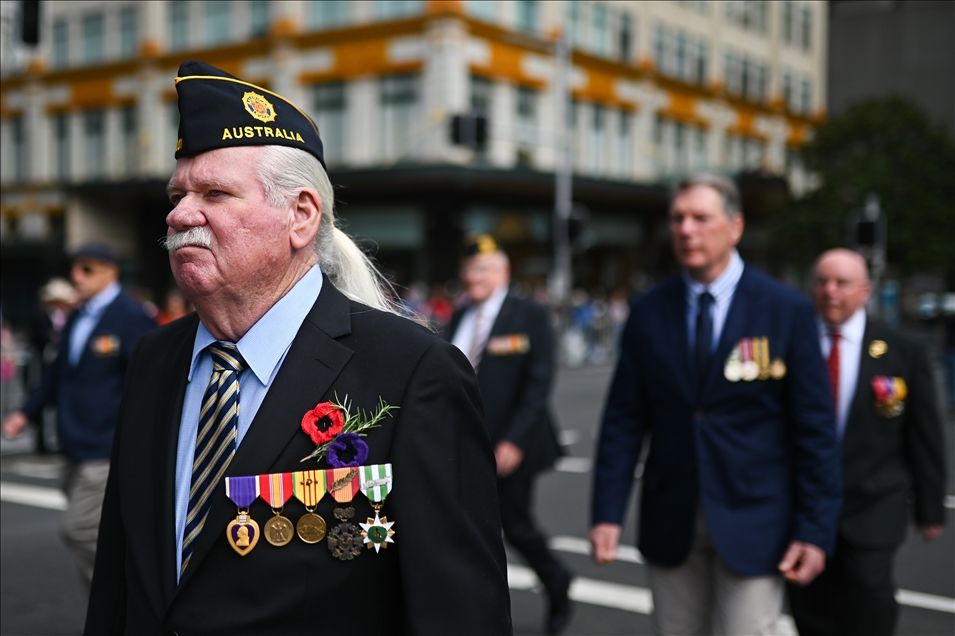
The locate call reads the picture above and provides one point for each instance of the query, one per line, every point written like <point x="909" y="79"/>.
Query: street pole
<point x="561" y="276"/>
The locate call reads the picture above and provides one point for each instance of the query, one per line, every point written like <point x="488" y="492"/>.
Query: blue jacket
<point x="760" y="457"/>
<point x="88" y="395"/>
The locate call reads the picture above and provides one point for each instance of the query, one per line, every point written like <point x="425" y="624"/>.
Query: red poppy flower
<point x="323" y="422"/>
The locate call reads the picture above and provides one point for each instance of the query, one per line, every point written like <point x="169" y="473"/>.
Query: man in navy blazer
<point x="742" y="480"/>
<point x="85" y="382"/>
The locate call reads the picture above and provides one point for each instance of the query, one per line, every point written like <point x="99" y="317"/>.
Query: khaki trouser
<point x="84" y="484"/>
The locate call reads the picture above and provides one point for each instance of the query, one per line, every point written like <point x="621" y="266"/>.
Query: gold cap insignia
<point x="877" y="348"/>
<point x="259" y="107"/>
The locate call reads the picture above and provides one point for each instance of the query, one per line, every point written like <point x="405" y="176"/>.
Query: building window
<point x="481" y="95"/>
<point x="93" y="37"/>
<point x="482" y="9"/>
<point x="130" y="139"/>
<point x="746" y="77"/>
<point x="680" y="55"/>
<point x="388" y="9"/>
<point x="527" y="15"/>
<point x="61" y="44"/>
<point x="575" y="30"/>
<point x="625" y="39"/>
<point x="399" y="98"/>
<point x="599" y="145"/>
<point x="259" y="18"/>
<point x="598" y="23"/>
<point x="128" y="36"/>
<point x="328" y="108"/>
<point x="218" y="21"/>
<point x="700" y="6"/>
<point x="789" y="19"/>
<point x="328" y="14"/>
<point x="624" y="140"/>
<point x="747" y="14"/>
<point x="61" y="145"/>
<point x="805" y="38"/>
<point x="94" y="141"/>
<point x="805" y="97"/>
<point x="178" y="24"/>
<point x="20" y="158"/>
<point x="526" y="128"/>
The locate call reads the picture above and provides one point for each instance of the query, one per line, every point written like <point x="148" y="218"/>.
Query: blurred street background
<point x="39" y="589"/>
<point x="557" y="127"/>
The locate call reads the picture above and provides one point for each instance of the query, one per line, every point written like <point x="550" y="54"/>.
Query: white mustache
<point x="198" y="235"/>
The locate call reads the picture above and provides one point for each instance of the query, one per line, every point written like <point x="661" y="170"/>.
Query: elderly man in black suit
<point x="510" y="343"/>
<point x="349" y="412"/>
<point x="888" y="421"/>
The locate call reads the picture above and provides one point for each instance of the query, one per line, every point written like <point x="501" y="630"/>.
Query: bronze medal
<point x="278" y="529"/>
<point x="311" y="527"/>
<point x="778" y="369"/>
<point x="345" y="539"/>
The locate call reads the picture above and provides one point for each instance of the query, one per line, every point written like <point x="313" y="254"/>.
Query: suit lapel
<point x="172" y="380"/>
<point x="744" y="306"/>
<point x="313" y="362"/>
<point x="866" y="371"/>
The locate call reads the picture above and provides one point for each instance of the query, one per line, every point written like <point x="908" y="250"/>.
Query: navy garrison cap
<point x="218" y="110"/>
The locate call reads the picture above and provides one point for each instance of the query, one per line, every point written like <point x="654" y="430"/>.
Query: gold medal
<point x="877" y="348"/>
<point x="749" y="370"/>
<point x="242" y="533"/>
<point x="778" y="369"/>
<point x="278" y="529"/>
<point x="311" y="527"/>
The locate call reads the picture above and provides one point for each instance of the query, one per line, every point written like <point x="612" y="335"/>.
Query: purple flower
<point x="348" y="450"/>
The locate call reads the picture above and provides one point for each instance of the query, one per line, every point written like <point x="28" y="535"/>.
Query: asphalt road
<point x="40" y="590"/>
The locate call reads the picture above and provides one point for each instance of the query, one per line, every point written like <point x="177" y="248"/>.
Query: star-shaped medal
<point x="377" y="532"/>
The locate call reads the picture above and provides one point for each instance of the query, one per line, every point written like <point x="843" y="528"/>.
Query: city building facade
<point x="88" y="118"/>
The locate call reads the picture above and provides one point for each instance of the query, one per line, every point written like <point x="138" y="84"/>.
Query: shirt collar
<point x="98" y="303"/>
<point x="265" y="344"/>
<point x="492" y="304"/>
<point x="852" y="330"/>
<point x="722" y="288"/>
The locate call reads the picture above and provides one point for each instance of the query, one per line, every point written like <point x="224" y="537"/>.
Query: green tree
<point x="890" y="147"/>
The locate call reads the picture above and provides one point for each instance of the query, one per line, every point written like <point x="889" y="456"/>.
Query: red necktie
<point x="834" y="369"/>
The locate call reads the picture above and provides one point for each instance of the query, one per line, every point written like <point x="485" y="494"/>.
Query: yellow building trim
<point x="798" y="135"/>
<point x="507" y="63"/>
<point x="745" y="125"/>
<point x="444" y="7"/>
<point x="601" y="88"/>
<point x="682" y="108"/>
<point x="91" y="93"/>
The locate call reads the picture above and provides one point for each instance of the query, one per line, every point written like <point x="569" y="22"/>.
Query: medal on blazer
<point x="749" y="370"/>
<point x="761" y="356"/>
<point x="275" y="490"/>
<point x="309" y="488"/>
<point x="778" y="369"/>
<point x="242" y="532"/>
<point x="345" y="539"/>
<point x="890" y="395"/>
<point x="376" y="483"/>
<point x="877" y="348"/>
<point x="733" y="369"/>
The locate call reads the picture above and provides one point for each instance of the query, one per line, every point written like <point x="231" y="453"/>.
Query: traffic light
<point x="30" y="15"/>
<point x="469" y="130"/>
<point x="866" y="233"/>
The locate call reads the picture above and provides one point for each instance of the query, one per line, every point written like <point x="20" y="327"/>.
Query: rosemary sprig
<point x="357" y="423"/>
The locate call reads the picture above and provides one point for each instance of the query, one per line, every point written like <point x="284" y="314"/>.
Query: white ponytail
<point x="283" y="172"/>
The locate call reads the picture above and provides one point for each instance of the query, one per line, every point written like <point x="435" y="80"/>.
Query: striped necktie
<point x="215" y="439"/>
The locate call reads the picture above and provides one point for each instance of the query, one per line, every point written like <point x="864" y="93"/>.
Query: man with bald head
<point x="510" y="344"/>
<point x="892" y="445"/>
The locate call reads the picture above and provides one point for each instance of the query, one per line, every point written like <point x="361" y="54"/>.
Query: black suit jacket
<point x="446" y="571"/>
<point x="515" y="383"/>
<point x="885" y="459"/>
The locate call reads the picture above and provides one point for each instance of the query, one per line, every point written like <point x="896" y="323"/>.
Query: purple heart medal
<point x="242" y="532"/>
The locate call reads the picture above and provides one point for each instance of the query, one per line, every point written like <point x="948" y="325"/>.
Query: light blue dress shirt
<point x="722" y="289"/>
<point x="264" y="348"/>
<point x="89" y="317"/>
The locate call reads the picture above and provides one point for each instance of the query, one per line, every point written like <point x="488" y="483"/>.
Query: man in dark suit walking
<point x="741" y="482"/>
<point x="510" y="343"/>
<point x="892" y="450"/>
<point x="295" y="404"/>
<point x="85" y="382"/>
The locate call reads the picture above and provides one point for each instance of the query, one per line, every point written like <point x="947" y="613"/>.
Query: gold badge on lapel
<point x="242" y="532"/>
<point x="877" y="348"/>
<point x="508" y="344"/>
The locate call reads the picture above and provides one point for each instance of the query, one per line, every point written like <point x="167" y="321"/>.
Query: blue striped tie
<point x="215" y="440"/>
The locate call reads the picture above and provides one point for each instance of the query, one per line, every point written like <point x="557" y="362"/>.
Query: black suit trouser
<point x="855" y="595"/>
<point x="514" y="492"/>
